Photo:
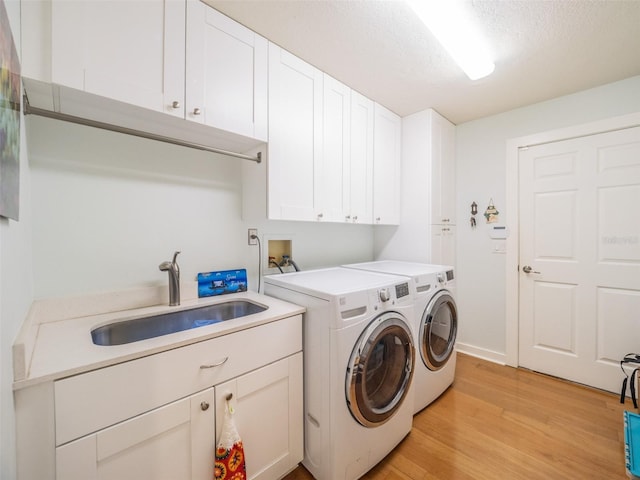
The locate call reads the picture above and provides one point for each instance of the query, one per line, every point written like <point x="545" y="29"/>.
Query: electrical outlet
<point x="252" y="236"/>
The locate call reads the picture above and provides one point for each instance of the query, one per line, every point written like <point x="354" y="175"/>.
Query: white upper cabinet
<point x="334" y="155"/>
<point x="130" y="51"/>
<point x="427" y="224"/>
<point x="361" y="160"/>
<point x="295" y="137"/>
<point x="124" y="62"/>
<point x="387" y="160"/>
<point x="226" y="70"/>
<point x="333" y="184"/>
<point x="443" y="170"/>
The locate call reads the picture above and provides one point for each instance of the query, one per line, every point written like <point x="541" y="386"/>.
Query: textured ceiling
<point x="543" y="49"/>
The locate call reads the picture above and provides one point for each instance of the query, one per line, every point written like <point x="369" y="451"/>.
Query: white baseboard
<point x="482" y="353"/>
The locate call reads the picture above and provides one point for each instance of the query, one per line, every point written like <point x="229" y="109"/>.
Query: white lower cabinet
<point x="155" y="417"/>
<point x="170" y="442"/>
<point x="178" y="440"/>
<point x="267" y="413"/>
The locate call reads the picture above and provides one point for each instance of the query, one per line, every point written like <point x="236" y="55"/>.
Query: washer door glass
<point x="380" y="370"/>
<point x="438" y="330"/>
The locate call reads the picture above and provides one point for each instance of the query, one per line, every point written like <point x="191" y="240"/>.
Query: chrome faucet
<point x="174" y="279"/>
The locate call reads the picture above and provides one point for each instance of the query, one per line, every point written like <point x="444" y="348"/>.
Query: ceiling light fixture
<point x="451" y="25"/>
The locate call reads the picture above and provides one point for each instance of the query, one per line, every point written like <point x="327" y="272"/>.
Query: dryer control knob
<point x="441" y="278"/>
<point x="384" y="294"/>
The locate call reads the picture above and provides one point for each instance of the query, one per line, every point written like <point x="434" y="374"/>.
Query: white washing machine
<point x="435" y="328"/>
<point x="358" y="365"/>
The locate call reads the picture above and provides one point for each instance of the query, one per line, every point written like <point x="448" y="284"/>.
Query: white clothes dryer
<point x="436" y="324"/>
<point x="358" y="365"/>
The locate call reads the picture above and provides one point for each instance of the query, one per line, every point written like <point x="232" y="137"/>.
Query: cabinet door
<point x="295" y="137"/>
<point x="361" y="160"/>
<point x="443" y="206"/>
<point x="443" y="244"/>
<point x="174" y="441"/>
<point x="333" y="183"/>
<point x="129" y="51"/>
<point x="267" y="406"/>
<point x="386" y="166"/>
<point x="226" y="71"/>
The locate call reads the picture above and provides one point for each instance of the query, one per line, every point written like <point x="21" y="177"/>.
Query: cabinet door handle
<point x="213" y="365"/>
<point x="196" y="111"/>
<point x="176" y="104"/>
<point x="204" y="406"/>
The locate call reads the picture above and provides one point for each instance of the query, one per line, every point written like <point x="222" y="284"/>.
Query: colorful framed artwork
<point x="9" y="120"/>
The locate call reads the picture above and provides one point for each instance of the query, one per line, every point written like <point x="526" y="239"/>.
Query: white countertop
<point x="64" y="347"/>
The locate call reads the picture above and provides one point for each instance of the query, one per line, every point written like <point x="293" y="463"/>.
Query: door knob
<point x="528" y="269"/>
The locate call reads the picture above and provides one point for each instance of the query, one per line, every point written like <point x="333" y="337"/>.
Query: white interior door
<point x="580" y="256"/>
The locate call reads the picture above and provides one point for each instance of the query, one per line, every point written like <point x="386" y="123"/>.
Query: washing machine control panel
<point x="444" y="277"/>
<point x="402" y="290"/>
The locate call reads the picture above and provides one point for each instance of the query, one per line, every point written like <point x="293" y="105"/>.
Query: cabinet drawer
<point x="94" y="400"/>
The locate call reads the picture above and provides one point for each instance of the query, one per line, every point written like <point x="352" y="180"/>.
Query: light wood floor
<point x="499" y="422"/>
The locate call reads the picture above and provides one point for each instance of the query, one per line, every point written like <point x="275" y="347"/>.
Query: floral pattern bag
<point x="229" y="462"/>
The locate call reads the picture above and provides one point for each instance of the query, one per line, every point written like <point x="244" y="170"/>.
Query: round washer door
<point x="438" y="330"/>
<point x="380" y="370"/>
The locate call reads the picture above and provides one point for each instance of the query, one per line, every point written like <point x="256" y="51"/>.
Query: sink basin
<point x="128" y="331"/>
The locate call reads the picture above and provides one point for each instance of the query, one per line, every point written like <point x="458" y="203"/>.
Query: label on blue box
<point x="221" y="283"/>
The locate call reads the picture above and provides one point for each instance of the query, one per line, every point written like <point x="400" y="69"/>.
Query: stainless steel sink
<point x="119" y="333"/>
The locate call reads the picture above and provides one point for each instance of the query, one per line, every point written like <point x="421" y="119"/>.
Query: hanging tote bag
<point x="229" y="462"/>
<point x="631" y="360"/>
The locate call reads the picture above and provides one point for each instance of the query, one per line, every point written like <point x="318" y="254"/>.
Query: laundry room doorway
<point x="578" y="256"/>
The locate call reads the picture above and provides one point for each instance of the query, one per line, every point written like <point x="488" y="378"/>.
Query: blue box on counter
<point x="222" y="282"/>
<point x="632" y="444"/>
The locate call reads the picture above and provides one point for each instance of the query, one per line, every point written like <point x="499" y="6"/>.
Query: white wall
<point x="15" y="285"/>
<point x="109" y="208"/>
<point x="480" y="164"/>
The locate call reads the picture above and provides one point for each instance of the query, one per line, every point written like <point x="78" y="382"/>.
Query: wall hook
<point x="474" y="211"/>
